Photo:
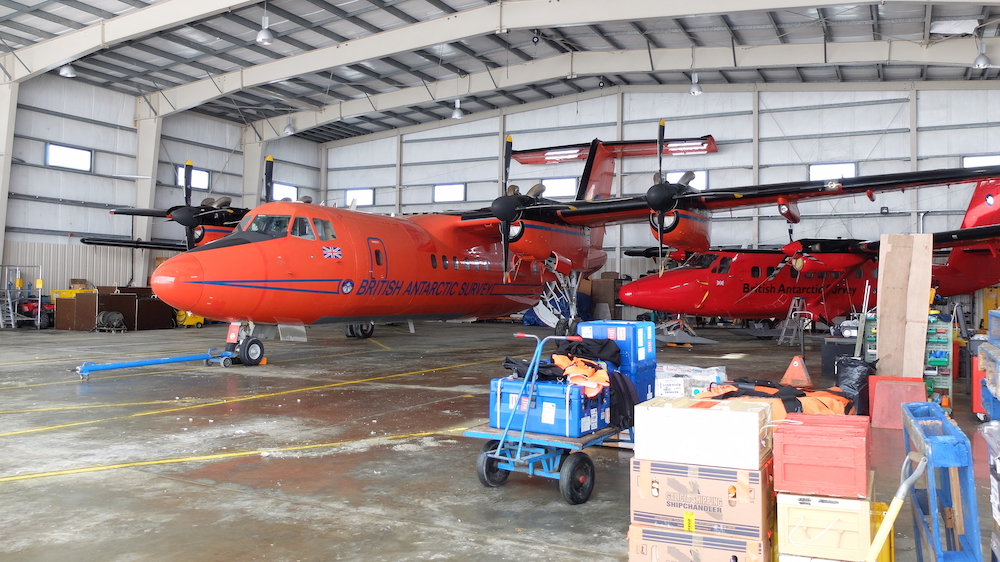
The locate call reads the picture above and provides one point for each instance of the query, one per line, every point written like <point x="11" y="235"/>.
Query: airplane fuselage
<point x="295" y="263"/>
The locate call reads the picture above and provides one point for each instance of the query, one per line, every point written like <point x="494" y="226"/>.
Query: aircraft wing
<point x="634" y="209"/>
<point x="127" y="243"/>
<point x="962" y="238"/>
<point x="618" y="149"/>
<point x="140" y="212"/>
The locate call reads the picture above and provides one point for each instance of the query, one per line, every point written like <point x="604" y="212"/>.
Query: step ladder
<point x="791" y="328"/>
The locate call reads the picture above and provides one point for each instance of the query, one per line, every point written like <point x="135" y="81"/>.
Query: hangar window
<point x="324" y="229"/>
<point x="755" y="272"/>
<point x="560" y="187"/>
<point x="974" y="161"/>
<point x="60" y="156"/>
<point x="360" y="197"/>
<point x="819" y="172"/>
<point x="699" y="182"/>
<point x="301" y="228"/>
<point x="282" y="191"/>
<point x="447" y="192"/>
<point x="199" y="178"/>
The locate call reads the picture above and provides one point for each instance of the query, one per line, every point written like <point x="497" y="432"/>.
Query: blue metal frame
<point x="929" y="432"/>
<point x="213" y="355"/>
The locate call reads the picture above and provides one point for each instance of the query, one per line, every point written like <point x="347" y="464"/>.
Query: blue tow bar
<point x="213" y="357"/>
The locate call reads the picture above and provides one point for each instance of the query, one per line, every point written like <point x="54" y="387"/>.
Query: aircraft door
<point x="378" y="259"/>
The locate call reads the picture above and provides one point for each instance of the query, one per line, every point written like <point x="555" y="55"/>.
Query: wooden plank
<point x="904" y="284"/>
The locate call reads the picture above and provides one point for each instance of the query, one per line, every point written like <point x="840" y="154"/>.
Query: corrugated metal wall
<point x="99" y="265"/>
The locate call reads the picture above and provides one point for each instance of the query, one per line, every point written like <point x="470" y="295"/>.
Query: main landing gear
<point x="557" y="306"/>
<point x="362" y="330"/>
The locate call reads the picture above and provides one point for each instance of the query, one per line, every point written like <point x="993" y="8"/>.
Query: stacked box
<point x="637" y="343"/>
<point x="694" y="380"/>
<point x="703" y="499"/>
<point x="722" y="433"/>
<point x="554" y="408"/>
<point x="701" y="481"/>
<point x="822" y="455"/>
<point x="657" y="544"/>
<point x="825" y="527"/>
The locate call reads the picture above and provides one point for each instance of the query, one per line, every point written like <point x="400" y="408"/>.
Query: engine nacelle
<point x="683" y="229"/>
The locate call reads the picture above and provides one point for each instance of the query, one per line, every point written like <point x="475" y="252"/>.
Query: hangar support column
<point x="8" y="108"/>
<point x="147" y="154"/>
<point x="253" y="168"/>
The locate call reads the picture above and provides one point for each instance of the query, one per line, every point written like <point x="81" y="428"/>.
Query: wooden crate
<point x="823" y="455"/>
<point x="824" y="527"/>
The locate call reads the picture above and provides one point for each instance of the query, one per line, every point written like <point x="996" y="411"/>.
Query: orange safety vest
<point x="583" y="372"/>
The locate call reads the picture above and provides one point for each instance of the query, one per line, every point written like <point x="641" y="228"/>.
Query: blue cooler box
<point x="557" y="408"/>
<point x="637" y="340"/>
<point x="643" y="378"/>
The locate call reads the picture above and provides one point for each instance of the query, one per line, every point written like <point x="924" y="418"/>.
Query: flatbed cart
<point x="538" y="454"/>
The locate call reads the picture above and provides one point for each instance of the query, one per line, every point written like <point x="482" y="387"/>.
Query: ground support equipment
<point x="538" y="454"/>
<point x="944" y="502"/>
<point x="212" y="357"/>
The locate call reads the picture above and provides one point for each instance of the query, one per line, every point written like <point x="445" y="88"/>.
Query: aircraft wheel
<point x="251" y="351"/>
<point x="576" y="478"/>
<point x="486" y="467"/>
<point x="562" y="327"/>
<point x="364" y="330"/>
<point x="349" y="331"/>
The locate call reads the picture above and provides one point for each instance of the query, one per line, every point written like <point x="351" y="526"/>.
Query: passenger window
<point x="301" y="228"/>
<point x="486" y="266"/>
<point x="875" y="273"/>
<point x="468" y="266"/>
<point x="755" y="272"/>
<point x="434" y="261"/>
<point x="859" y="273"/>
<point x="770" y="271"/>
<point x="454" y="262"/>
<point x="378" y="257"/>
<point x="835" y="274"/>
<point x="444" y="262"/>
<point x="809" y="275"/>
<point x="324" y="230"/>
<point x="821" y="275"/>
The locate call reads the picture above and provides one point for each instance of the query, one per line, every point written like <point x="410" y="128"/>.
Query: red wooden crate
<point x="825" y="455"/>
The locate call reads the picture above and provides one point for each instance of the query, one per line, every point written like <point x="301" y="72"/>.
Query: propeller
<point x="508" y="208"/>
<point x="662" y="196"/>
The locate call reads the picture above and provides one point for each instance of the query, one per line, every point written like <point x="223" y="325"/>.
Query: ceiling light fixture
<point x="289" y="129"/>
<point x="982" y="61"/>
<point x="457" y="113"/>
<point x="264" y="36"/>
<point x="695" y="89"/>
<point x="67" y="71"/>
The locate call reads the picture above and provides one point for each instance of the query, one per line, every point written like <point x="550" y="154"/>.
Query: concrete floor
<point x="337" y="449"/>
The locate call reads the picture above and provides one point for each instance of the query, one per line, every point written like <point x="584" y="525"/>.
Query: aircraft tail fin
<point x="984" y="208"/>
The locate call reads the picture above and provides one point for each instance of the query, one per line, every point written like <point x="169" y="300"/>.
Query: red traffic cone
<point x="797" y="374"/>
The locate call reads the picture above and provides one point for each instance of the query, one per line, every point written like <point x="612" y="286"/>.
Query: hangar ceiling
<point x="416" y="72"/>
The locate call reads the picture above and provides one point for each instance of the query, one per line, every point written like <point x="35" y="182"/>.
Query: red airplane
<point x="830" y="275"/>
<point x="291" y="264"/>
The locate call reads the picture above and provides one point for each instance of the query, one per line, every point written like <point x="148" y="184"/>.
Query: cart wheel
<point x="227" y="362"/>
<point x="576" y="478"/>
<point x="208" y="362"/>
<point x="486" y="467"/>
<point x="983" y="417"/>
<point x="198" y="324"/>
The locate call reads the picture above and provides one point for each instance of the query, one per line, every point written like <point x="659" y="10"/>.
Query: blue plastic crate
<point x="636" y="340"/>
<point x="555" y="408"/>
<point x="990" y="403"/>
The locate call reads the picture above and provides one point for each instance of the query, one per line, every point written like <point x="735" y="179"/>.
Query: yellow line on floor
<point x="217" y="456"/>
<point x="92" y="406"/>
<point x="376" y="342"/>
<point x="247" y="398"/>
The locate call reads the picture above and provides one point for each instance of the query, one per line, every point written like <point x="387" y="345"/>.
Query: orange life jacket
<point x="784" y="399"/>
<point x="583" y="372"/>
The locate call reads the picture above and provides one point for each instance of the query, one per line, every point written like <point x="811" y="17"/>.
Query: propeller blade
<point x="189" y="228"/>
<point x="659" y="239"/>
<point x="686" y="178"/>
<point x="505" y="235"/>
<point x="508" y="153"/>
<point x="659" y="148"/>
<point x="140" y="212"/>
<point x="269" y="178"/>
<point x="188" y="167"/>
<point x="536" y="190"/>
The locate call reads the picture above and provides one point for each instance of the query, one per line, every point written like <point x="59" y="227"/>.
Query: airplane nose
<point x="178" y="281"/>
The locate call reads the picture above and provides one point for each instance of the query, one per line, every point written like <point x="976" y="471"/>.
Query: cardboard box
<point x="555" y="408"/>
<point x="722" y="433"/>
<point x="703" y="499"/>
<point x="610" y="275"/>
<point x="584" y="287"/>
<point x="657" y="544"/>
<point x="822" y="455"/>
<point x="824" y="527"/>
<point x="603" y="291"/>
<point x="77" y="283"/>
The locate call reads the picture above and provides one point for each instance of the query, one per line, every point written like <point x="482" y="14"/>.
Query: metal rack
<point x="21" y="284"/>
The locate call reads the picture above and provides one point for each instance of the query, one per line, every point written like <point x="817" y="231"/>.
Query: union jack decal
<point x="332" y="252"/>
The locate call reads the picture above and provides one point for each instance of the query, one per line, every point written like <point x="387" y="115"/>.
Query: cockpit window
<point x="701" y="261"/>
<point x="723" y="266"/>
<point x="273" y="225"/>
<point x="324" y="229"/>
<point x="301" y="228"/>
